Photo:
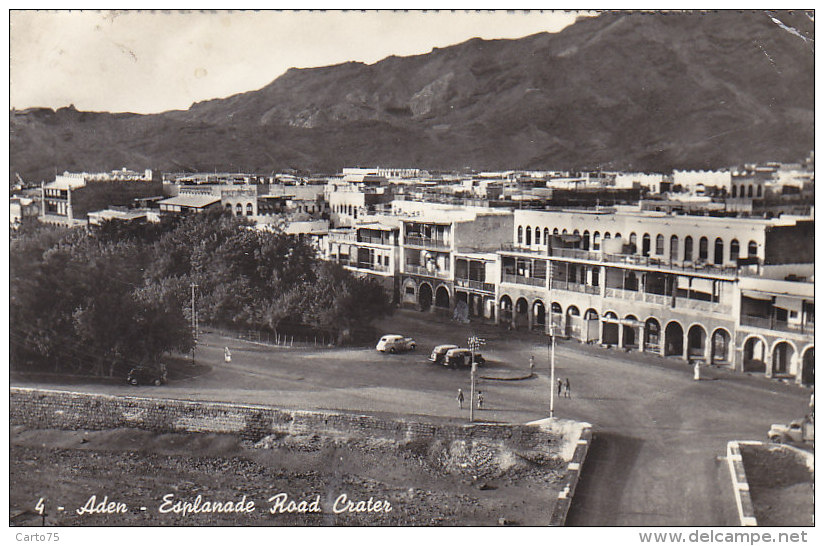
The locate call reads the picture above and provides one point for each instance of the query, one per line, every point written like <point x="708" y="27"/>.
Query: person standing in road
<point x="531" y="364"/>
<point x="560" y="386"/>
<point x="480" y="400"/>
<point x="460" y="399"/>
<point x="567" y="389"/>
<point x="227" y="355"/>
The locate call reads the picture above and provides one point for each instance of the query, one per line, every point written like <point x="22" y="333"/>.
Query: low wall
<point x="40" y="408"/>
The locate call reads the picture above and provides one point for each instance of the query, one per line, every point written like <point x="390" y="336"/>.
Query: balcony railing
<point x="657" y="262"/>
<point x="768" y="324"/>
<point x="425" y="242"/>
<point x="475" y="285"/>
<point x="375" y="240"/>
<point x="520" y="279"/>
<point x="575" y="287"/>
<point x="420" y="270"/>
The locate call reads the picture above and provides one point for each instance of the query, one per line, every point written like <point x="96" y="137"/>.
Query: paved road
<point x="657" y="432"/>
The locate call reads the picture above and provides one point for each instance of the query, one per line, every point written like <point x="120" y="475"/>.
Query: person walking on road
<point x="480" y="400"/>
<point x="567" y="389"/>
<point x="227" y="355"/>
<point x="560" y="386"/>
<point x="531" y="364"/>
<point x="460" y="399"/>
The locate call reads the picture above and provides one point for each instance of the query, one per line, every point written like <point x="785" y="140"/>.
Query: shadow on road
<point x="604" y="477"/>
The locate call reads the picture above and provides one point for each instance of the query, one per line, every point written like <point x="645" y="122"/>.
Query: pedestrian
<point x="531" y="364"/>
<point x="567" y="389"/>
<point x="227" y="355"/>
<point x="480" y="400"/>
<point x="460" y="399"/>
<point x="560" y="386"/>
<point x="696" y="371"/>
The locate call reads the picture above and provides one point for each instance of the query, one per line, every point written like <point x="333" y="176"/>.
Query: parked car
<point x="145" y="375"/>
<point x="456" y="358"/>
<point x="394" y="343"/>
<point x="799" y="431"/>
<point x="439" y="352"/>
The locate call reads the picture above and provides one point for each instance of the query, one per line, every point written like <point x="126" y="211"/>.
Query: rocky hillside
<point x="622" y="90"/>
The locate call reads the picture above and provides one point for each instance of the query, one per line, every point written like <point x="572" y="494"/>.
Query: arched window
<point x="585" y="241"/>
<point x="229" y="206"/>
<point x="555" y="231"/>
<point x="520" y="234"/>
<point x="688" y="249"/>
<point x="607" y="236"/>
<point x="659" y="245"/>
<point x="758" y="190"/>
<point x="646" y="245"/>
<point x="674" y="248"/>
<point x="703" y="248"/>
<point x="596" y="241"/>
<point x="617" y="235"/>
<point x="752" y="249"/>
<point x="734" y="191"/>
<point x="537" y="235"/>
<point x="633" y="241"/>
<point x="576" y="232"/>
<point x="239" y="209"/>
<point x="749" y="191"/>
<point x="718" y="255"/>
<point x="743" y="190"/>
<point x="546" y="236"/>
<point x="528" y="236"/>
<point x="564" y="232"/>
<point x="734" y="250"/>
<point x="249" y="209"/>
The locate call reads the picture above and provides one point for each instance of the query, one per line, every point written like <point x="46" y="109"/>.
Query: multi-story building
<point x="72" y="196"/>
<point x="435" y="243"/>
<point x="665" y="284"/>
<point x="369" y="248"/>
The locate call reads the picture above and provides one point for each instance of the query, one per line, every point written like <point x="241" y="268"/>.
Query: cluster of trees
<point x="103" y="300"/>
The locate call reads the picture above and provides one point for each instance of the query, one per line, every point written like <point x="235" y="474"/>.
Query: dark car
<point x="144" y="375"/>
<point x="460" y="357"/>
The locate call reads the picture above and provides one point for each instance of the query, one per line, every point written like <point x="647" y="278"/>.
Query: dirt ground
<point x="425" y="483"/>
<point x="781" y="485"/>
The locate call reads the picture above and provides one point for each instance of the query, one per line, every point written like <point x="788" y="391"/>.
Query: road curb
<point x="740" y="486"/>
<point x="570" y="482"/>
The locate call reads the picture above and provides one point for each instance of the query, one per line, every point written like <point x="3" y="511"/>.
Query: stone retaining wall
<point x="40" y="408"/>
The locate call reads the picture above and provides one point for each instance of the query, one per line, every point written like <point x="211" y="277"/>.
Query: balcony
<point x="425" y="242"/>
<point x="577" y="254"/>
<point x="769" y="324"/>
<point x="575" y="287"/>
<point x="420" y="270"/>
<point x="388" y="241"/>
<point x="475" y="285"/>
<point x="520" y="279"/>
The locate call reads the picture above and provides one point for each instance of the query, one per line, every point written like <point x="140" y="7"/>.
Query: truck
<point x="798" y="431"/>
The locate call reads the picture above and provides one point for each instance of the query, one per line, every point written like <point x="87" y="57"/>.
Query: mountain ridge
<point x="641" y="91"/>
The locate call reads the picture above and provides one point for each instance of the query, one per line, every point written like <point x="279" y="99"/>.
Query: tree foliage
<point x="105" y="299"/>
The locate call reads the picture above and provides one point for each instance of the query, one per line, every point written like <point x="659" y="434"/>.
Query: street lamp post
<point x="474" y="343"/>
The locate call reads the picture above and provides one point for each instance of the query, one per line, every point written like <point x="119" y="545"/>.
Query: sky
<point x="142" y="61"/>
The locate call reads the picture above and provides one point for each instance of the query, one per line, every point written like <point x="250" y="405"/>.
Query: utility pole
<point x="194" y="321"/>
<point x="552" y="373"/>
<point x="552" y="355"/>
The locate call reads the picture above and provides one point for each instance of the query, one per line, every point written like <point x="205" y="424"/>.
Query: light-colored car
<point x="456" y="358"/>
<point x="439" y="352"/>
<point x="799" y="431"/>
<point x="394" y="343"/>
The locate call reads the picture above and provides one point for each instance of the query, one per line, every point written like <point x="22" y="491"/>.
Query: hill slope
<point x="622" y="90"/>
